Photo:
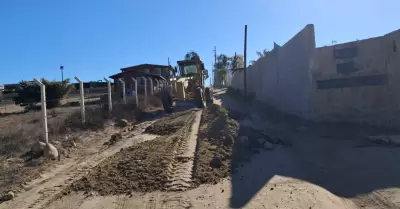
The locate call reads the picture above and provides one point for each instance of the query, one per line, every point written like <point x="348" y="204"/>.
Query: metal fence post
<point x="44" y="110"/>
<point x="82" y="95"/>
<point x="157" y="86"/>
<point x="136" y="91"/>
<point x="151" y="87"/>
<point x="164" y="84"/>
<point x="145" y="91"/>
<point x="123" y="90"/>
<point x="109" y="94"/>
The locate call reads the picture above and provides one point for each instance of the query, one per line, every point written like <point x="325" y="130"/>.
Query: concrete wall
<point x="360" y="84"/>
<point x="283" y="77"/>
<point x="357" y="81"/>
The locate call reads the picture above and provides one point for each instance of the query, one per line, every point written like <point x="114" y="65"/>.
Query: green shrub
<point x="28" y="95"/>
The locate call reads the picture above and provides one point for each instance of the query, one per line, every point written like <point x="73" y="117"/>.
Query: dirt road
<point x="42" y="191"/>
<point x="309" y="166"/>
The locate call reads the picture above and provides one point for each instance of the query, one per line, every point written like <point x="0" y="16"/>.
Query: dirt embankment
<point x="215" y="148"/>
<point x="140" y="168"/>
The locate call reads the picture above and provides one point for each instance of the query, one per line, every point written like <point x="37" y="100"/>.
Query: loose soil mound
<point x="139" y="168"/>
<point x="217" y="137"/>
<point x="169" y="125"/>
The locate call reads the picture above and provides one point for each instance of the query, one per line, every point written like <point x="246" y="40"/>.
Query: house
<point x="155" y="72"/>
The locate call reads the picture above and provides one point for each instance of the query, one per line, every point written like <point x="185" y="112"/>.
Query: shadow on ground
<point x="328" y="155"/>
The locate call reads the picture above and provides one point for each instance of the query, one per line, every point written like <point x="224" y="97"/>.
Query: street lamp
<point x="62" y="73"/>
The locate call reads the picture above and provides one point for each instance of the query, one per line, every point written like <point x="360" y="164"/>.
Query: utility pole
<point x="245" y="64"/>
<point x="234" y="62"/>
<point x="168" y="62"/>
<point x="215" y="61"/>
<point x="210" y="74"/>
<point x="62" y="73"/>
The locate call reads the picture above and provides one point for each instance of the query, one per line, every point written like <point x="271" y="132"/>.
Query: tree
<point x="28" y="95"/>
<point x="205" y="74"/>
<point x="222" y="64"/>
<point x="191" y="55"/>
<point x="174" y="71"/>
<point x="263" y="53"/>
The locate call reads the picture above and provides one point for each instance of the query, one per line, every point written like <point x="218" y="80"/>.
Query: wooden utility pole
<point x="234" y="62"/>
<point x="245" y="63"/>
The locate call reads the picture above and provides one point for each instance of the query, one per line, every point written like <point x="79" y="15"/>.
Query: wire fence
<point x="82" y="103"/>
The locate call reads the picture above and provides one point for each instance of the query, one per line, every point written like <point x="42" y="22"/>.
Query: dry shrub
<point x="15" y="143"/>
<point x="13" y="169"/>
<point x="97" y="116"/>
<point x="13" y="173"/>
<point x="94" y="119"/>
<point x="53" y="113"/>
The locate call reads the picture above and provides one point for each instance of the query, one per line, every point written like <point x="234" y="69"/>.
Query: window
<point x="345" y="53"/>
<point x="372" y="80"/>
<point x="189" y="69"/>
<point x="144" y="70"/>
<point x="157" y="71"/>
<point x="346" y="68"/>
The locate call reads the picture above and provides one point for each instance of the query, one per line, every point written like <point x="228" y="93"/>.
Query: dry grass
<point x="20" y="129"/>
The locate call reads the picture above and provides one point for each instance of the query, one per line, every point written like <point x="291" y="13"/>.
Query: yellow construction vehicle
<point x="188" y="89"/>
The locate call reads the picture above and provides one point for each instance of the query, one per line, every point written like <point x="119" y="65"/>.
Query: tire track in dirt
<point x="42" y="192"/>
<point x="176" y="201"/>
<point x="180" y="169"/>
<point x="375" y="200"/>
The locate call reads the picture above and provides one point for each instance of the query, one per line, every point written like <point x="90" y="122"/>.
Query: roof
<point x="138" y="73"/>
<point x="137" y="67"/>
<point x="189" y="61"/>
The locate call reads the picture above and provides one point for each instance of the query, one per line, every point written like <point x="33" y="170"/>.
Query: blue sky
<point x="95" y="38"/>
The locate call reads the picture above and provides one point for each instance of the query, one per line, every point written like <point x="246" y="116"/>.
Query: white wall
<point x="283" y="77"/>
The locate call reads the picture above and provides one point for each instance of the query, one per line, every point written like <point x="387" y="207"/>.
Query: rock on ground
<point x="114" y="138"/>
<point x="8" y="196"/>
<point x="122" y="123"/>
<point x="268" y="145"/>
<point x="50" y="152"/>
